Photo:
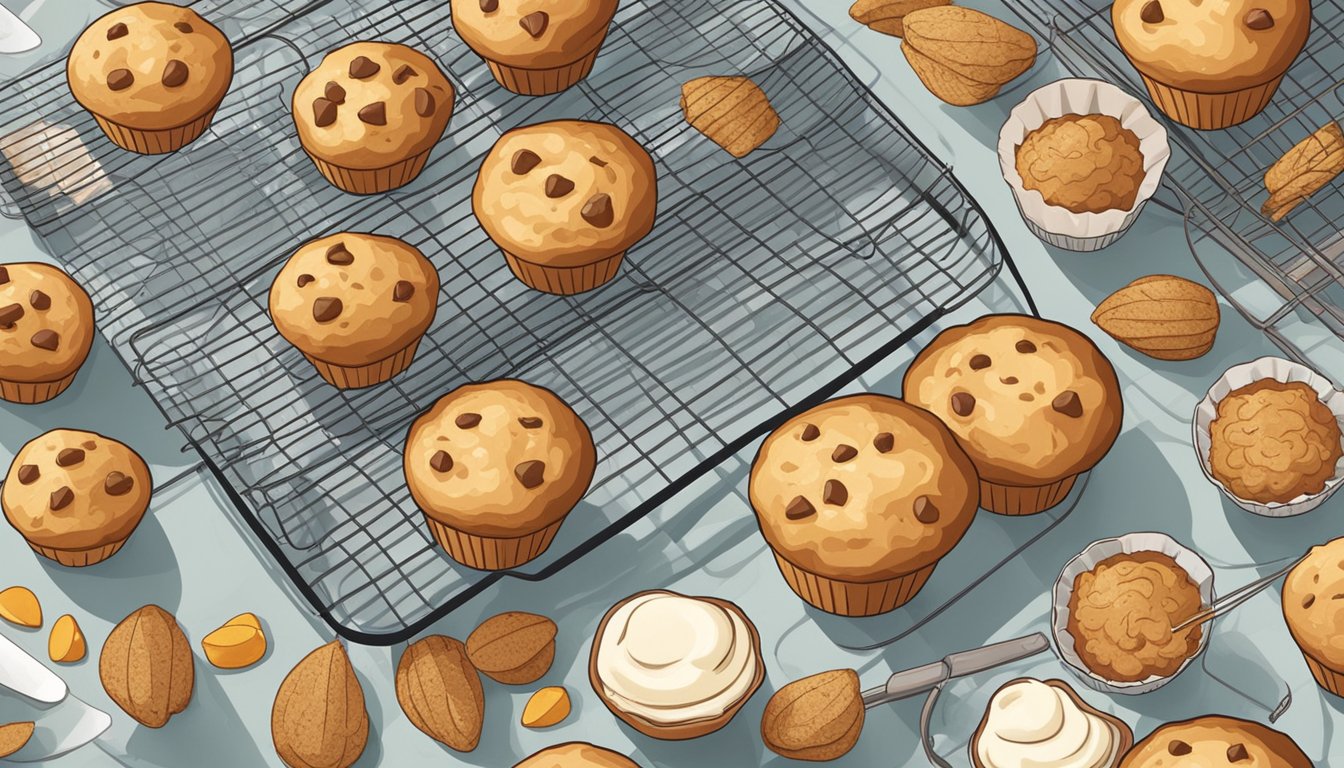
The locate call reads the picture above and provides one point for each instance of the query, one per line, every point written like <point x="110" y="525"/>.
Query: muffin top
<point x="1032" y="401"/>
<point x="150" y="66"/>
<point x="370" y="105"/>
<point x="577" y="755"/>
<point x="1085" y="163"/>
<point x="863" y="488"/>
<point x="533" y="34"/>
<point x="1273" y="441"/>
<point x="1216" y="742"/>
<point x="353" y="299"/>
<point x="1315" y="617"/>
<point x="566" y="193"/>
<point x="76" y="490"/>
<point x="46" y="323"/>
<point x="1212" y="47"/>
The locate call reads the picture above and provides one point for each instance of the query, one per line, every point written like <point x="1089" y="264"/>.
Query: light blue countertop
<point x="193" y="556"/>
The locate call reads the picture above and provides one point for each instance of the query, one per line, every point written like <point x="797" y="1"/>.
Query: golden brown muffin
<point x="76" y="497"/>
<point x="356" y="305"/>
<point x="1215" y="742"/>
<point x="46" y="332"/>
<point x="1034" y="404"/>
<point x="565" y="200"/>
<point x="535" y="47"/>
<point x="496" y="467"/>
<point x="1315" y="616"/>
<point x="577" y="755"/>
<point x="152" y="74"/>
<point x="1122" y="611"/>
<point x="1212" y="65"/>
<point x="1273" y="441"/>
<point x="370" y="114"/>
<point x="860" y="498"/>
<point x="1085" y="163"/>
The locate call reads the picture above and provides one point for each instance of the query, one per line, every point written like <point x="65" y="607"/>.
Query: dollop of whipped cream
<point x="1031" y="724"/>
<point x="672" y="659"/>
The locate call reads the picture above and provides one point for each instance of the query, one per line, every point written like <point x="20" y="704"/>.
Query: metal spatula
<point x="30" y="691"/>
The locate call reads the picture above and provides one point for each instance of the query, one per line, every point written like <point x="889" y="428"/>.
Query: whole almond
<point x="973" y="44"/>
<point x="13" y="737"/>
<point x="319" y="719"/>
<point x="440" y="691"/>
<point x="885" y="15"/>
<point x="817" y="718"/>
<point x="513" y="648"/>
<point x="1162" y="316"/>
<point x="146" y="666"/>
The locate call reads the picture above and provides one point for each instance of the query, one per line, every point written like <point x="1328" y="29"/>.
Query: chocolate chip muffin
<point x="496" y="468"/>
<point x="370" y="114"/>
<point x="565" y="200"/>
<point x="356" y="305"/>
<point x="46" y="331"/>
<point x="1216" y="741"/>
<point x="152" y="75"/>
<point x="1315" y="613"/>
<point x="860" y="498"/>
<point x="577" y="755"/>
<point x="535" y="47"/>
<point x="1034" y="403"/>
<point x="76" y="497"/>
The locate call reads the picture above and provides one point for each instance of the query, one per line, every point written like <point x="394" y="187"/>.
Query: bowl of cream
<point x="1044" y="724"/>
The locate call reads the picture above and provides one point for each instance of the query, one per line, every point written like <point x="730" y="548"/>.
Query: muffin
<point x="151" y="74"/>
<point x="46" y="332"/>
<point x="370" y="113"/>
<point x="1216" y="742"/>
<point x="1046" y="723"/>
<point x="675" y="667"/>
<point x="1083" y="163"/>
<point x="1273" y="442"/>
<point x="1212" y="65"/>
<point x="496" y="467"/>
<point x="356" y="305"/>
<point x="1034" y="404"/>
<point x="564" y="201"/>
<point x="577" y="755"/>
<point x="535" y="47"/>
<point x="1314" y="616"/>
<point x="76" y="497"/>
<point x="860" y="498"/>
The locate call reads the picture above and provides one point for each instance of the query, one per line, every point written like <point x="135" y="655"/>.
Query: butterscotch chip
<point x="732" y="111"/>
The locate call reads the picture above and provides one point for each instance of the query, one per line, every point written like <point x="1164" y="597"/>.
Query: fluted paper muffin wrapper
<point x="852" y="598"/>
<point x="1058" y="226"/>
<point x="1199" y="571"/>
<point x="1284" y="371"/>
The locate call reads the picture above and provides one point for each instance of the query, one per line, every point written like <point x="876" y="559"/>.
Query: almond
<point x="885" y="15"/>
<point x="319" y="719"/>
<point x="146" y="666"/>
<point x="13" y="736"/>
<point x="440" y="691"/>
<point x="513" y="648"/>
<point x="66" y="644"/>
<point x="733" y="112"/>
<point x="1162" y="316"/>
<point x="816" y="718"/>
<point x="18" y="605"/>
<point x="547" y="707"/>
<point x="947" y="85"/>
<point x="973" y="44"/>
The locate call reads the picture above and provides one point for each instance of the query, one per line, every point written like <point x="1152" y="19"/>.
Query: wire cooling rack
<point x="767" y="284"/>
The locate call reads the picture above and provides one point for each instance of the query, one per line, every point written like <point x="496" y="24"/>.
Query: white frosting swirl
<point x="1032" y="724"/>
<point x="672" y="659"/>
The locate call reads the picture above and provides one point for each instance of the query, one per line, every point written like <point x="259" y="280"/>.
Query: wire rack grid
<point x="767" y="284"/>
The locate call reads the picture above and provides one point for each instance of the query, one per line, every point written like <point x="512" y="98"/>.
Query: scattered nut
<point x="66" y="644"/>
<point x="13" y="736"/>
<point x="547" y="707"/>
<point x="441" y="693"/>
<point x="1165" y="317"/>
<point x="817" y="718"/>
<point x="18" y="605"/>
<point x="239" y="643"/>
<point x="319" y="719"/>
<point x="1303" y="171"/>
<point x="886" y="16"/>
<point x="964" y="56"/>
<point x="733" y="112"/>
<point x="513" y="648"/>
<point x="146" y="666"/>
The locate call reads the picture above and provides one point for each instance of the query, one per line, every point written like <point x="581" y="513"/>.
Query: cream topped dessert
<point x="1032" y="724"/>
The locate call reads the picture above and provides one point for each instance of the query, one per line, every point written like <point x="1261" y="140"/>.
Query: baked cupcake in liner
<point x="1059" y="226"/>
<point x="46" y="332"/>
<point x="1312" y="613"/>
<point x="1194" y="565"/>
<point x="536" y="48"/>
<point x="1235" y="378"/>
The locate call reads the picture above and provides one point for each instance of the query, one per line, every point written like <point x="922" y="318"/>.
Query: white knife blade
<point x="63" y="729"/>
<point x="23" y="674"/>
<point x="15" y="35"/>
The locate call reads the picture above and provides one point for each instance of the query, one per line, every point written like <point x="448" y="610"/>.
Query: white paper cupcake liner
<point x="1242" y="375"/>
<point x="1194" y="565"/>
<point x="1058" y="226"/>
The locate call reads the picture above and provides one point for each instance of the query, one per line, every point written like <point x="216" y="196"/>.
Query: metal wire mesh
<point x="767" y="284"/>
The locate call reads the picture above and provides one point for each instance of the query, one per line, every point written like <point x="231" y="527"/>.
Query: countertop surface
<point x="195" y="558"/>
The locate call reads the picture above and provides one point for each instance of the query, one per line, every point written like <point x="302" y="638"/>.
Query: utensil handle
<point x="912" y="682"/>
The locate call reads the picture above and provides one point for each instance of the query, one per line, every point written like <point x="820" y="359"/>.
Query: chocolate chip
<point x="1152" y="12"/>
<point x="441" y="462"/>
<point x="28" y="474"/>
<point x="1009" y="380"/>
<point x="1026" y="347"/>
<point x="524" y="161"/>
<point x="117" y="30"/>
<point x="925" y="511"/>
<point x="403" y="291"/>
<point x="1178" y="748"/>
<point x="843" y="453"/>
<point x="324" y="112"/>
<point x="39" y="300"/>
<point x="1236" y="753"/>
<point x="835" y="493"/>
<point x="120" y="79"/>
<point x="118" y="484"/>
<point x="404" y="72"/>
<point x="530" y="422"/>
<point x="4" y="275"/>
<point x="535" y="23"/>
<point x="363" y="67"/>
<point x="69" y="457"/>
<point x="467" y="420"/>
<point x="424" y="102"/>
<point x="175" y="73"/>
<point x="980" y="362"/>
<point x="489" y="6"/>
<point x="338" y="256"/>
<point x="530" y="473"/>
<point x="884" y="442"/>
<point x="10" y="315"/>
<point x="334" y="92"/>
<point x="598" y="211"/>
<point x="558" y="186"/>
<point x="799" y="509"/>
<point x="374" y="114"/>
<point x="1068" y="404"/>
<point x="810" y="433"/>
<point x="599" y="162"/>
<point x="1308" y="601"/>
<point x="1259" y="19"/>
<point x="306" y="279"/>
<point x="61" y="498"/>
<point x="46" y="339"/>
<point x="327" y="308"/>
<point x="963" y="403"/>
<point x="184" y="27"/>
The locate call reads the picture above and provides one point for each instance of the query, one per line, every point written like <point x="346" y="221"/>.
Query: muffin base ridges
<point x="850" y="598"/>
<point x="1014" y="500"/>
<point x="364" y="181"/>
<point x="356" y="377"/>
<point x="488" y="553"/>
<point x="1329" y="679"/>
<point x="155" y="142"/>
<point x="33" y="392"/>
<point x="78" y="558"/>
<point x="1211" y="111"/>
<point x="565" y="281"/>
<point x="543" y="82"/>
